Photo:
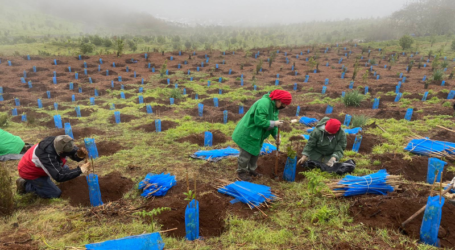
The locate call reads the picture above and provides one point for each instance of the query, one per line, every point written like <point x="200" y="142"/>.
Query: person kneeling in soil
<point x="47" y="159"/>
<point x="11" y="147"/>
<point x="326" y="144"/>
<point x="257" y="124"/>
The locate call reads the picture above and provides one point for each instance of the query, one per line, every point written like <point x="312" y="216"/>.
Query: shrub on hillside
<point x="406" y="42"/>
<point x="359" y="120"/>
<point x="353" y="98"/>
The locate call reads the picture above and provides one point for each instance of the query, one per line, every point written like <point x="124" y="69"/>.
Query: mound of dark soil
<point x="391" y="210"/>
<point x="123" y="118"/>
<point x="367" y="144"/>
<point x="213" y="208"/>
<point x="218" y="138"/>
<point x="112" y="187"/>
<point x="444" y="135"/>
<point x="266" y="166"/>
<point x="414" y="170"/>
<point x="106" y="148"/>
<point x="165" y="125"/>
<point x="81" y="133"/>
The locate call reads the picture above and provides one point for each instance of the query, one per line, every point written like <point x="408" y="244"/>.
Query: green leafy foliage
<point x="406" y="41"/>
<point x="154" y="212"/>
<point x="86" y="48"/>
<point x="323" y="214"/>
<point x="176" y="94"/>
<point x="353" y="98"/>
<point x="190" y="195"/>
<point x="291" y="152"/>
<point x="120" y="46"/>
<point x="438" y="75"/>
<point x="3" y="120"/>
<point x="6" y="194"/>
<point x="359" y="120"/>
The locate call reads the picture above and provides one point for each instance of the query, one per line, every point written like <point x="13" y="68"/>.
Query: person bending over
<point x="326" y="144"/>
<point x="47" y="160"/>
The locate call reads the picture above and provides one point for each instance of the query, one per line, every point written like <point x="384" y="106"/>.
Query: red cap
<point x="332" y="126"/>
<point x="282" y="95"/>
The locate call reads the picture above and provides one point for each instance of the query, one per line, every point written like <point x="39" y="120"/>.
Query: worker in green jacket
<point x="11" y="146"/>
<point x="326" y="144"/>
<point x="257" y="124"/>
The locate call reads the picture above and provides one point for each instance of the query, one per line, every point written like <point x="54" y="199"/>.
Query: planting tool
<point x="277" y="154"/>
<point x="423" y="208"/>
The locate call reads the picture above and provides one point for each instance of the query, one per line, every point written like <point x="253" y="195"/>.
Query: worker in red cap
<point x="326" y="144"/>
<point x="257" y="124"/>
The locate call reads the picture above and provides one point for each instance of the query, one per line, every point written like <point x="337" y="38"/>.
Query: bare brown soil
<point x="213" y="209"/>
<point x="165" y="125"/>
<point x="218" y="138"/>
<point x="413" y="170"/>
<point x="112" y="188"/>
<point x="393" y="209"/>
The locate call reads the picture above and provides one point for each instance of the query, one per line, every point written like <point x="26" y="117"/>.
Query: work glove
<point x="278" y="123"/>
<point x="302" y="160"/>
<point x="82" y="153"/>
<point x="331" y="161"/>
<point x="86" y="167"/>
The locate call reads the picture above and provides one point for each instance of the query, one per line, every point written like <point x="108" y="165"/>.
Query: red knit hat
<point x="282" y="95"/>
<point x="332" y="126"/>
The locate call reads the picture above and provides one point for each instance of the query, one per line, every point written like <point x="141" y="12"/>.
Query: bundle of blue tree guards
<point x="377" y="183"/>
<point x="254" y="195"/>
<point x="156" y="184"/>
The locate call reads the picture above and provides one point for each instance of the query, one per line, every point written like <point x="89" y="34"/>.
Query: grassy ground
<point x="303" y="219"/>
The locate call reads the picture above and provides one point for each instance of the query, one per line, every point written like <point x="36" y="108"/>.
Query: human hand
<point x="278" y="123"/>
<point x="86" y="167"/>
<point x="331" y="161"/>
<point x="82" y="153"/>
<point x="302" y="160"/>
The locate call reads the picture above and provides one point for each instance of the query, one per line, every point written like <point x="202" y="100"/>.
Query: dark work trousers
<point x="247" y="162"/>
<point x="43" y="187"/>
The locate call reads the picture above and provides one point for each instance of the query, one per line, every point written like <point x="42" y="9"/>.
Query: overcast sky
<point x="242" y="11"/>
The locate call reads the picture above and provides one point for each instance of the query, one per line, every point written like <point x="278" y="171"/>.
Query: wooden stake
<point x="187" y="181"/>
<point x="445" y="128"/>
<point x="277" y="152"/>
<point x="423" y="208"/>
<point x="195" y="180"/>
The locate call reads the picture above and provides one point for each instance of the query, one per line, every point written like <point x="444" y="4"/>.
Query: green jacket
<point x="319" y="144"/>
<point x="10" y="144"/>
<point x="256" y="125"/>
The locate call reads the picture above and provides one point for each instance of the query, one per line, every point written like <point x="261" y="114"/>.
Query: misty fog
<point x="238" y="12"/>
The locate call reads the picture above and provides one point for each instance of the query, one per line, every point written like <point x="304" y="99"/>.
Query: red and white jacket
<point x="42" y="160"/>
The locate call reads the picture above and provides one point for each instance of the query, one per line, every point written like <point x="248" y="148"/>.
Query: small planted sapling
<point x="154" y="212"/>
<point x="190" y="195"/>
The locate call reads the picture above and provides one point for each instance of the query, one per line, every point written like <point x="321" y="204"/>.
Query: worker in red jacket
<point x="46" y="160"/>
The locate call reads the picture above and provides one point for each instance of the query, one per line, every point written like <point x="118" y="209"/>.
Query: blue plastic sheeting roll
<point x="248" y="193"/>
<point x="215" y="154"/>
<point x="192" y="220"/>
<point x="426" y="147"/>
<point x="94" y="190"/>
<point x="267" y="148"/>
<point x="431" y="221"/>
<point x="308" y="121"/>
<point x="353" y="131"/>
<point x="90" y="145"/>
<point x="156" y="184"/>
<point x="368" y="184"/>
<point x="152" y="241"/>
<point x="306" y="137"/>
<point x="435" y="167"/>
<point x="290" y="169"/>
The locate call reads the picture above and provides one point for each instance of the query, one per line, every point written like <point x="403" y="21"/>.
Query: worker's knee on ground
<point x="49" y="194"/>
